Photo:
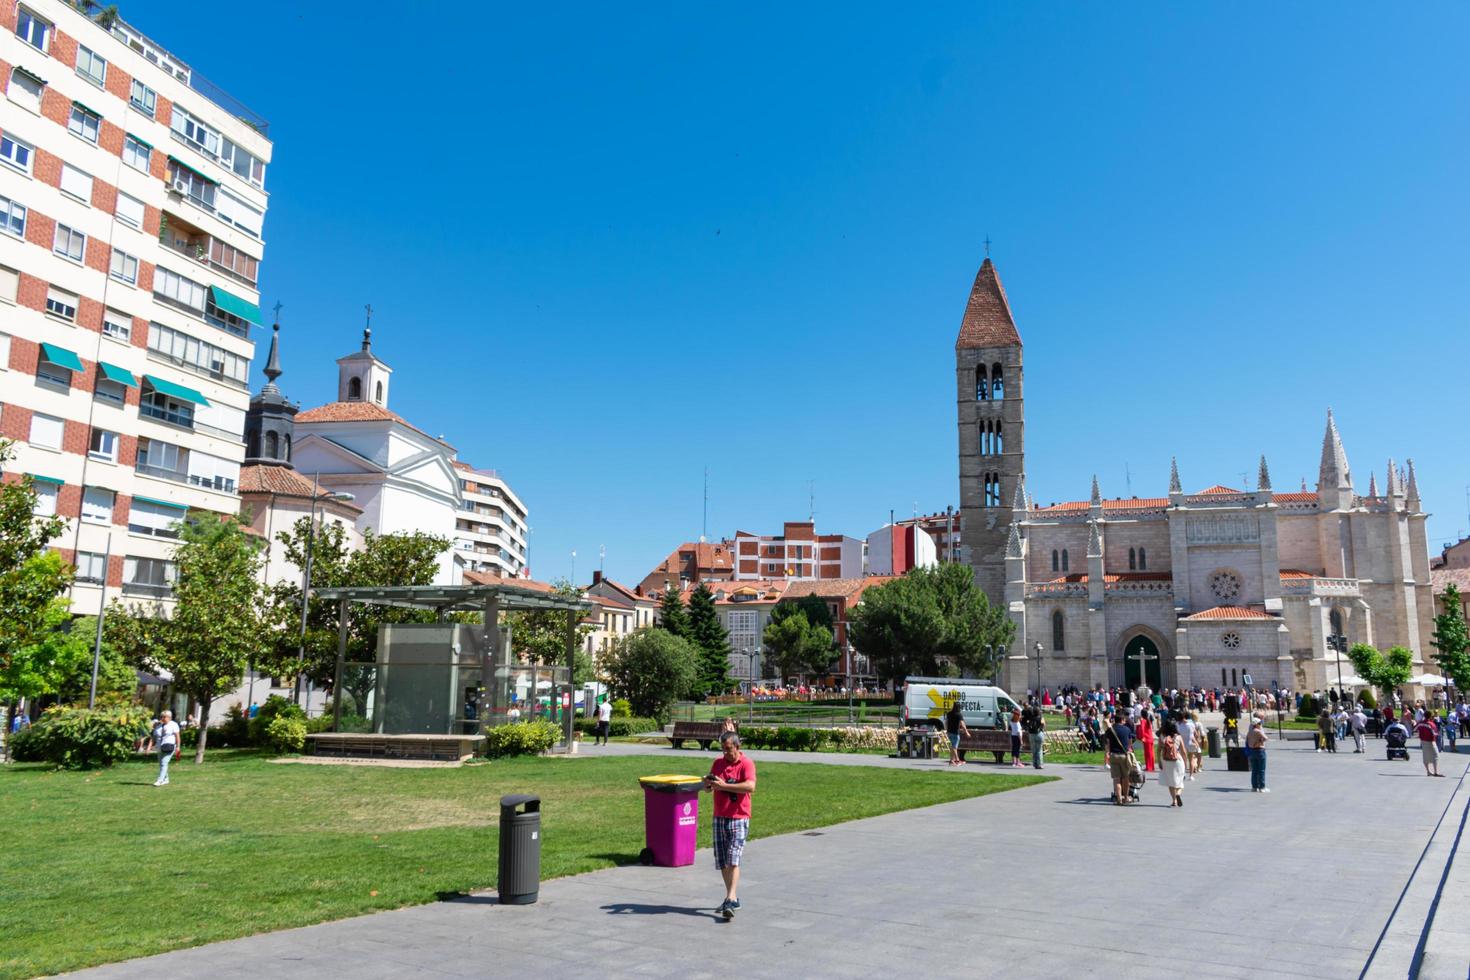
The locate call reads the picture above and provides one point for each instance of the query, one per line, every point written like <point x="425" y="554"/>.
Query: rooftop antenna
<point x="1128" y="478"/>
<point x="601" y="560"/>
<point x="704" y="527"/>
<point x="811" y="501"/>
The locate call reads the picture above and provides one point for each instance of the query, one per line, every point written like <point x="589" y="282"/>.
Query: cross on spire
<point x="987" y="246"/>
<point x="279" y="305"/>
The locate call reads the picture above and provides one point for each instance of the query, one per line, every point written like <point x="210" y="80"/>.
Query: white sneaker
<point x="158" y="782"/>
<point x="1265" y="790"/>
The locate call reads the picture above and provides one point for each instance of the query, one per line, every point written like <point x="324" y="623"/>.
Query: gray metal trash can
<point x="1212" y="736"/>
<point x="519" y="880"/>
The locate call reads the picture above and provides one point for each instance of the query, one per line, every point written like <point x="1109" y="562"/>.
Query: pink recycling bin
<point x="670" y="820"/>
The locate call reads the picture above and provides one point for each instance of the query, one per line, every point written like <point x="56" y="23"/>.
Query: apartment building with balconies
<point x="490" y="529"/>
<point x="797" y="553"/>
<point x="132" y="197"/>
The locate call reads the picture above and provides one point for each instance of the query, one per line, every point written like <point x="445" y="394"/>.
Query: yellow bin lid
<point x="669" y="781"/>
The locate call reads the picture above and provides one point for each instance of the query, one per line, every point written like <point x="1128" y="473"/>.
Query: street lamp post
<point x="306" y="586"/>
<point x="1338" y="643"/>
<point x="1038" y="672"/>
<point x="749" y="685"/>
<point x="101" y="613"/>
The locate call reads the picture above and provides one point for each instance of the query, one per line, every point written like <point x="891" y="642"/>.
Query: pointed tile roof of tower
<point x="1334" y="472"/>
<point x="1174" y="485"/>
<point x="987" y="321"/>
<point x="1013" y="545"/>
<point x="1094" y="540"/>
<point x="273" y="360"/>
<point x="1413" y="487"/>
<point x="1263" y="477"/>
<point x="1096" y="499"/>
<point x="1395" y="489"/>
<point x="1372" y="484"/>
<point x="1019" y="503"/>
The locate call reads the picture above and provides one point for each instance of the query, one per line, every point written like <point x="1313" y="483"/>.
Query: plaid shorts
<point x="729" y="841"/>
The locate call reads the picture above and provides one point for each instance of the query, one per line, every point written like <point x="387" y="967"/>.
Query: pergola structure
<point x="491" y="600"/>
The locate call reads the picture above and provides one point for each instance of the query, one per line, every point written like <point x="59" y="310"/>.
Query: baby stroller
<point x="1397" y="739"/>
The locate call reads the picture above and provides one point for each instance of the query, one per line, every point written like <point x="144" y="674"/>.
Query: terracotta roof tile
<point x="490" y="578"/>
<point x="1295" y="573"/>
<point x="1228" y="612"/>
<point x="357" y="412"/>
<point x="282" y="481"/>
<point x="1125" y="503"/>
<point x="628" y="593"/>
<point x="1441" y="577"/>
<point x="1111" y="578"/>
<point x="987" y="321"/>
<point x="1297" y="498"/>
<point x="1218" y="489"/>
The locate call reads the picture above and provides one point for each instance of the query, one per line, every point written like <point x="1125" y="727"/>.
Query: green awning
<point x="86" y="108"/>
<point x="176" y="391"/>
<point x="38" y="478"/>
<point x="61" y="357"/>
<point x="230" y="303"/>
<point x="140" y="142"/>
<point x="121" y="375"/>
<point x="161" y="503"/>
<point x="30" y="74"/>
<point x="196" y="173"/>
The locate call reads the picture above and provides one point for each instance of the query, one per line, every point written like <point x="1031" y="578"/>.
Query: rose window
<point x="1231" y="640"/>
<point x="1225" y="585"/>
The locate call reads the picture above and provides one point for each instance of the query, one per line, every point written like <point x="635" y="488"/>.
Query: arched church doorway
<point x="1152" y="669"/>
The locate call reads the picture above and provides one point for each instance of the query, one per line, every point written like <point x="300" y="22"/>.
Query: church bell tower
<point x="991" y="429"/>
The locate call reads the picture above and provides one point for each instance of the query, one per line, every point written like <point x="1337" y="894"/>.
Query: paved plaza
<point x="1341" y="864"/>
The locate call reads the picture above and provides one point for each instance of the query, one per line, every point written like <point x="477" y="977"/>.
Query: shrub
<point x="275" y="706"/>
<point x="618" y="726"/>
<point x="621" y="708"/>
<point x="521" y="738"/>
<point x="233" y="732"/>
<point x="285" y="733"/>
<point x="83" y="738"/>
<point x="1310" y="708"/>
<point x="1367" y="699"/>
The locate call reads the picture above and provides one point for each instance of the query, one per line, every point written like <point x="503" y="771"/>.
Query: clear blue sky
<point x="609" y="245"/>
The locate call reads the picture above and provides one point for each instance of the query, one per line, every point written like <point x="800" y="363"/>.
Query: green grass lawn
<point x="102" y="866"/>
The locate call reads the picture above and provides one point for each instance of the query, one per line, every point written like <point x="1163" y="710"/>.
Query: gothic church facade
<point x="1187" y="589"/>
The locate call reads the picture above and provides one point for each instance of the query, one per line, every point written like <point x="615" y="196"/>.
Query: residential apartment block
<point x="490" y="530"/>
<point x="796" y="554"/>
<point x="132" y="198"/>
<point x="691" y="562"/>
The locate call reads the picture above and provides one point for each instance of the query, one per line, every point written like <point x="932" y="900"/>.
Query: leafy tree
<point x="672" y="617"/>
<point x="539" y="636"/>
<point x="30" y="577"/>
<point x="218" y="615"/>
<point x="1385" y="671"/>
<point x="1452" y="640"/>
<point x="711" y="640"/>
<point x="931" y="620"/>
<point x="652" y="669"/>
<point x="794" y="643"/>
<point x="59" y="663"/>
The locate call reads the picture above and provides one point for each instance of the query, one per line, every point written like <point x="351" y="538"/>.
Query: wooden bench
<point x="445" y="748"/>
<point x="706" y="733"/>
<point x="993" y="740"/>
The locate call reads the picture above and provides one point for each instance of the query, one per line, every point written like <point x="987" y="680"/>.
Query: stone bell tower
<point x="991" y="429"/>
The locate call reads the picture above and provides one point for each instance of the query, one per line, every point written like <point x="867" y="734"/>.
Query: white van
<point x="926" y="699"/>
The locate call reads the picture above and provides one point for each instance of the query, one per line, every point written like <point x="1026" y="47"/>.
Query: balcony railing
<point x="182" y="421"/>
<point x="199" y="247"/>
<point x="217" y="483"/>
<point x="147" y="588"/>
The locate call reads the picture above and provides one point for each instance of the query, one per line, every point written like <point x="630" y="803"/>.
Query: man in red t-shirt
<point x="732" y="780"/>
<point x="1429" y="745"/>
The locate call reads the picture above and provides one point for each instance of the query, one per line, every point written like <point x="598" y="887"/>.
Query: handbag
<point x="1135" y="771"/>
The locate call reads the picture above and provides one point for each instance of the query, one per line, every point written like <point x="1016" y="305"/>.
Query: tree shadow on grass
<point x="639" y="908"/>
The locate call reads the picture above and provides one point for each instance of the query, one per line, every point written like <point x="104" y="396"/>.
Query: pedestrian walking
<point x="1255" y="754"/>
<point x="167" y="742"/>
<point x="1035" y="725"/>
<point x="1118" y="749"/>
<point x="1015" y="730"/>
<point x="954" y="727"/>
<point x="1171" y="757"/>
<point x="1193" y="735"/>
<point x="604" y="721"/>
<point x="1359" y="724"/>
<point x="1146" y="736"/>
<point x="1326" y="742"/>
<point x="732" y="779"/>
<point x="1429" y="745"/>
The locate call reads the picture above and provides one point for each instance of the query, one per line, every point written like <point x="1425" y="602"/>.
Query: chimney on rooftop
<point x="596" y="576"/>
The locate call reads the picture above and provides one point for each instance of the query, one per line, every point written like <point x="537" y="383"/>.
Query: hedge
<point x="82" y="738"/>
<point x="618" y="726"/>
<point x="521" y="738"/>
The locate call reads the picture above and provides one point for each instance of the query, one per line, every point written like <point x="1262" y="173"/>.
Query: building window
<point x="129" y="210"/>
<point x="179" y="290"/>
<point x="61" y="303"/>
<point x="237" y="212"/>
<point x="1132" y="560"/>
<point x="111" y="392"/>
<point x="15" y="153"/>
<point x="153" y="520"/>
<point x="196" y="355"/>
<point x="70" y="243"/>
<point x="124" y="267"/>
<point x="46" y="431"/>
<point x="84" y="123"/>
<point x="136" y="153"/>
<point x="195" y="133"/>
<point x="1064" y="560"/>
<point x="77" y="183"/>
<point x="1142" y="560"/>
<point x="982" y="386"/>
<point x="999" y="444"/>
<point x="118" y="326"/>
<point x="153" y="575"/>
<point x="232" y="260"/>
<point x="103" y="445"/>
<point x="272" y="445"/>
<point x="1334" y="619"/>
<point x="53" y="374"/>
<point x="1058" y="634"/>
<point x="245" y="165"/>
<point x="354" y="390"/>
<point x="997" y="383"/>
<point x="91" y="66"/>
<point x="143" y="98"/>
<point x="4" y="352"/>
<point x="25" y="89"/>
<point x="1056" y="560"/>
<point x="9" y="285"/>
<point x="45" y="499"/>
<point x="12" y="217"/>
<point x="378" y="394"/>
<point x="199" y="189"/>
<point x="91" y="567"/>
<point x="97" y="505"/>
<point x="33" y="30"/>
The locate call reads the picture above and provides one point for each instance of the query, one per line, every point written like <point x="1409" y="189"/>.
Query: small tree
<point x="1384" y="671"/>
<point x="30" y="577"/>
<point x="795" y="644"/>
<point x="711" y="640"/>
<point x="539" y="636"/>
<point x="672" y="616"/>
<point x="59" y="663"/>
<point x="1452" y="640"/>
<point x="652" y="669"/>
